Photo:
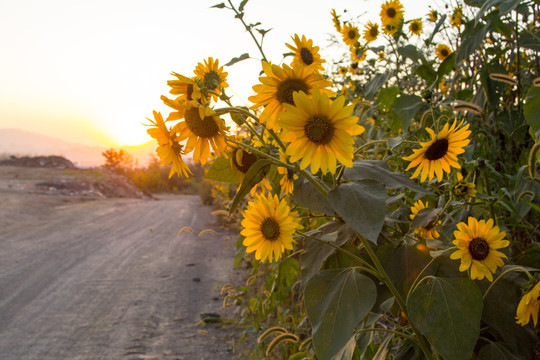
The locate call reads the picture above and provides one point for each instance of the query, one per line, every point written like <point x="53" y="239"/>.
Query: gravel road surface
<point x="110" y="279"/>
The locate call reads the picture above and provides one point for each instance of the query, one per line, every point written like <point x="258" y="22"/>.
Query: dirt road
<point x="110" y="279"/>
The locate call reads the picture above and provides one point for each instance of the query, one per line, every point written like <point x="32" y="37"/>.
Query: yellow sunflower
<point x="268" y="227"/>
<point x="169" y="149"/>
<point x="440" y="153"/>
<point x="456" y="19"/>
<point x="212" y="76"/>
<point x="463" y="188"/>
<point x="358" y="54"/>
<point x="389" y="29"/>
<point x="186" y="89"/>
<point x="320" y="131"/>
<point x="529" y="306"/>
<point x="442" y="51"/>
<point x="371" y="32"/>
<point x="478" y="242"/>
<point x="415" y="27"/>
<point x="335" y="20"/>
<point x="433" y="15"/>
<point x="350" y="34"/>
<point x="391" y="13"/>
<point x="306" y="54"/>
<point x="343" y="70"/>
<point x="429" y="231"/>
<point x="203" y="130"/>
<point x="287" y="178"/>
<point x="242" y="161"/>
<point x="277" y="88"/>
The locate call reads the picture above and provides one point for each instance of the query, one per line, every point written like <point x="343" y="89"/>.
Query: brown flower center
<point x="211" y="80"/>
<point x="437" y="150"/>
<point x="444" y="52"/>
<point x="205" y="128"/>
<point x="391" y="13"/>
<point x="270" y="229"/>
<point x="415" y="27"/>
<point x="286" y="89"/>
<point x="352" y="34"/>
<point x="319" y="129"/>
<point x="247" y="160"/>
<point x="307" y="56"/>
<point x="479" y="248"/>
<point x="373" y="31"/>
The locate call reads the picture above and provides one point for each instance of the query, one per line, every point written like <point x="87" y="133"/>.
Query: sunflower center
<point x="270" y="229"/>
<point x="437" y="150"/>
<point x="288" y="87"/>
<point x="479" y="248"/>
<point x="415" y="27"/>
<point x="373" y="31"/>
<point x="211" y="80"/>
<point x="176" y="147"/>
<point x="307" y="56"/>
<point x="391" y="13"/>
<point x="205" y="128"/>
<point x="352" y="34"/>
<point x="460" y="189"/>
<point x="354" y="65"/>
<point x="319" y="129"/>
<point x="444" y="52"/>
<point x="247" y="160"/>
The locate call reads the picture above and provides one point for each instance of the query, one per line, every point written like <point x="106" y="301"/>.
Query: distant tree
<point x="119" y="161"/>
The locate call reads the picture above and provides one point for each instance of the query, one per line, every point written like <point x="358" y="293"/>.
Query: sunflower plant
<point x="388" y="196"/>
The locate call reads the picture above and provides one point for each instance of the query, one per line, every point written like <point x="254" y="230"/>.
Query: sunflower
<point x="212" y="76"/>
<point x="203" y="129"/>
<point x="391" y="13"/>
<point x="269" y="226"/>
<point x="390" y="29"/>
<point x="320" y="131"/>
<point x="343" y="70"/>
<point x="442" y="51"/>
<point x="440" y="153"/>
<point x="381" y="55"/>
<point x="529" y="306"/>
<point x="429" y="231"/>
<point x="287" y="178"/>
<point x="358" y="53"/>
<point x="186" y="88"/>
<point x="371" y="32"/>
<point x="463" y="188"/>
<point x="335" y="20"/>
<point x="456" y="19"/>
<point x="169" y="149"/>
<point x="433" y="15"/>
<point x="306" y="54"/>
<point x="278" y="86"/>
<point x="478" y="242"/>
<point x="350" y="34"/>
<point x="242" y="161"/>
<point x="415" y="27"/>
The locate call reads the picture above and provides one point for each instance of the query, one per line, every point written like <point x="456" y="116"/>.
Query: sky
<point x="92" y="71"/>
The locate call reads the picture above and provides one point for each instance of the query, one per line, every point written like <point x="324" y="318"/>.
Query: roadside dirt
<point x="88" y="277"/>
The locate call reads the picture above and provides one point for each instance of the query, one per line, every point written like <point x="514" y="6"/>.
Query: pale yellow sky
<point x="91" y="71"/>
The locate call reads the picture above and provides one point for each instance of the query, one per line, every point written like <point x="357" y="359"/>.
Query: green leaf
<point x="530" y="40"/>
<point x="336" y="302"/>
<point x="531" y="109"/>
<point x="362" y="205"/>
<point x="288" y="272"/>
<point x="307" y="195"/>
<point x="427" y="73"/>
<point x="255" y="174"/>
<point x="372" y="87"/>
<point x="436" y="29"/>
<point x="447" y="312"/>
<point x="497" y="351"/>
<point x="218" y="6"/>
<point x="411" y="52"/>
<point x="447" y="65"/>
<point x="405" y="107"/>
<point x="242" y="4"/>
<point x="237" y="59"/>
<point x="504" y="7"/>
<point x="424" y="217"/>
<point x="386" y="97"/>
<point x="221" y="170"/>
<point x="377" y="170"/>
<point x="472" y="42"/>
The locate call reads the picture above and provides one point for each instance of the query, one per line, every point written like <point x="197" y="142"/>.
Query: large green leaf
<point x="448" y="312"/>
<point x="377" y="170"/>
<point x="307" y="195"/>
<point x="386" y="97"/>
<point x="406" y="107"/>
<point x="254" y="175"/>
<point x="336" y="302"/>
<point x="504" y="7"/>
<point x="427" y="73"/>
<point x="472" y="41"/>
<point x="221" y="170"/>
<point x="447" y="65"/>
<point x="531" y="109"/>
<point x="362" y="205"/>
<point x="372" y="86"/>
<point x="495" y="350"/>
<point x="411" y="52"/>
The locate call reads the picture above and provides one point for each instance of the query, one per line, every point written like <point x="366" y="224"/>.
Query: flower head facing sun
<point x="440" y="153"/>
<point x="350" y="34"/>
<point x="212" y="76"/>
<point x="529" y="305"/>
<point x="442" y="51"/>
<point x="428" y="231"/>
<point x="391" y="13"/>
<point x="433" y="15"/>
<point x="186" y="89"/>
<point x="278" y="86"/>
<point x="478" y="242"/>
<point x="371" y="32"/>
<point x="268" y="227"/>
<point x="306" y="54"/>
<point x="169" y="149"/>
<point x="415" y="27"/>
<point x="319" y="131"/>
<point x="203" y="130"/>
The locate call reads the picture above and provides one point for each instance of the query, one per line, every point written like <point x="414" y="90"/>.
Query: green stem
<point x="263" y="154"/>
<point x="248" y="28"/>
<point x="504" y="273"/>
<point x="369" y="144"/>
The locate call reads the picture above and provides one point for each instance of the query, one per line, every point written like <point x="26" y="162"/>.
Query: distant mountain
<point x="20" y="142"/>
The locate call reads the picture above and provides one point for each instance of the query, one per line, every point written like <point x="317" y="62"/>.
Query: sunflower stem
<point x="504" y="273"/>
<point x="240" y="16"/>
<point x="263" y="154"/>
<point x="244" y="121"/>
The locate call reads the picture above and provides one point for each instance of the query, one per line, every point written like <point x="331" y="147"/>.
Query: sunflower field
<point x="388" y="198"/>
